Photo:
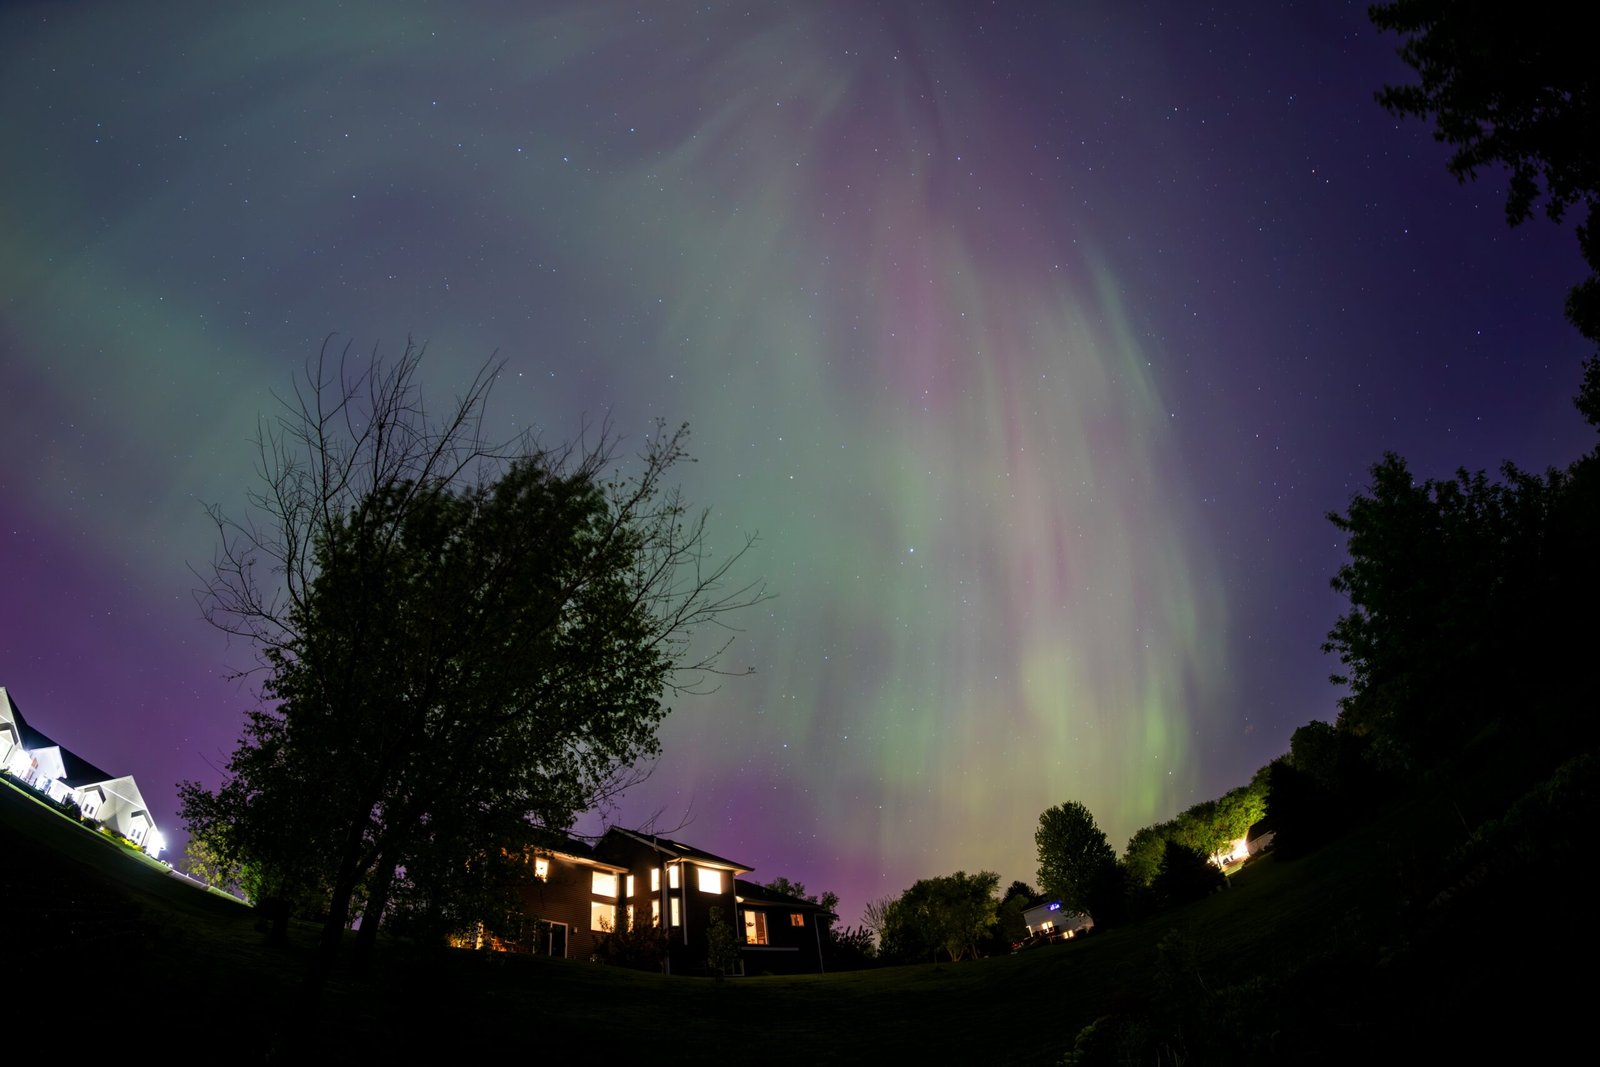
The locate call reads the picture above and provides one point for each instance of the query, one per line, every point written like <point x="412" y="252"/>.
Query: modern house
<point x="631" y="881"/>
<point x="46" y="765"/>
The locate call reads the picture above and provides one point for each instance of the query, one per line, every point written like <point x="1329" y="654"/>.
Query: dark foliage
<point x="1460" y="595"/>
<point x="639" y="948"/>
<point x="946" y="917"/>
<point x="1073" y="854"/>
<point x="1515" y="88"/>
<point x="849" y="948"/>
<point x="1186" y="875"/>
<point x="462" y="643"/>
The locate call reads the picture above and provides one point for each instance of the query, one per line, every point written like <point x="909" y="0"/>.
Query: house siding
<point x="566" y="895"/>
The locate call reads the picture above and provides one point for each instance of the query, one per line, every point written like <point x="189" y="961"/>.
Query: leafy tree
<point x="202" y="863"/>
<point x="463" y="643"/>
<point x="949" y="914"/>
<point x="722" y="945"/>
<point x="851" y="948"/>
<point x="1314" y="752"/>
<point x="1454" y="595"/>
<point x="1520" y="89"/>
<point x="1145" y="848"/>
<point x="876" y="919"/>
<point x="1186" y="874"/>
<point x="1073" y="851"/>
<point x="1017" y="899"/>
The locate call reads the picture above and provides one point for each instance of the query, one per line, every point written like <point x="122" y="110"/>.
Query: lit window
<point x="710" y="880"/>
<point x="655" y="914"/>
<point x="655" y="879"/>
<point x="672" y="876"/>
<point x="677" y="919"/>
<point x="541" y="867"/>
<point x="755" y="927"/>
<point x="630" y="917"/>
<point x="604" y="884"/>
<point x="630" y="885"/>
<point x="796" y="919"/>
<point x="602" y="917"/>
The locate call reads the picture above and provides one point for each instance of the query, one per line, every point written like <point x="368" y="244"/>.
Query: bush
<point x="639" y="949"/>
<point x="1186" y="875"/>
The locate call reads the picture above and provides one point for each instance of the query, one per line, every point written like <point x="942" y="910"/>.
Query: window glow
<point x="655" y="879"/>
<point x="796" y="919"/>
<point x="710" y="880"/>
<point x="677" y="919"/>
<point x="541" y="867"/>
<point x="755" y="927"/>
<point x="655" y="914"/>
<point x="672" y="876"/>
<point x="602" y="917"/>
<point x="630" y="885"/>
<point x="604" y="884"/>
<point x="631" y="926"/>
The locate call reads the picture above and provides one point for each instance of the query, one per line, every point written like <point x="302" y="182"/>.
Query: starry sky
<point x="1034" y="341"/>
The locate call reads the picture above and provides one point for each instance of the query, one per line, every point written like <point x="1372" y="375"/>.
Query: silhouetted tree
<point x="1186" y="874"/>
<point x="950" y="915"/>
<point x="1519" y="88"/>
<point x="1073" y="850"/>
<point x="1458" y="590"/>
<point x="722" y="945"/>
<point x="462" y="641"/>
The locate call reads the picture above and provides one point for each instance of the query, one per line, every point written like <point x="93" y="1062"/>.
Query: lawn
<point x="1300" y="961"/>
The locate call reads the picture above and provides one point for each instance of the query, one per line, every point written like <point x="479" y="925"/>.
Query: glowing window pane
<point x="655" y="879"/>
<point x="796" y="919"/>
<point x="630" y="885"/>
<point x="541" y="867"/>
<point x="605" y="884"/>
<point x="672" y="876"/>
<point x="602" y="917"/>
<point x="710" y="880"/>
<point x="755" y="928"/>
<point x="677" y="920"/>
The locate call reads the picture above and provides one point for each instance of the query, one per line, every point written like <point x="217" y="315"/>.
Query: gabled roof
<point x="79" y="771"/>
<point x="679" y="851"/>
<point x="570" y="847"/>
<point x="755" y="893"/>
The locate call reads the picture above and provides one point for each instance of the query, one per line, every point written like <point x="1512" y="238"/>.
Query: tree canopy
<point x="1518" y="88"/>
<point x="950" y="914"/>
<point x="1073" y="852"/>
<point x="463" y="644"/>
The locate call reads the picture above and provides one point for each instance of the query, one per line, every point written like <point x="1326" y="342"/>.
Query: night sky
<point x="1034" y="340"/>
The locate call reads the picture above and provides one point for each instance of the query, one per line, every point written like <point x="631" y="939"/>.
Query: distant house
<point x="630" y="881"/>
<point x="1055" y="922"/>
<point x="39" y="761"/>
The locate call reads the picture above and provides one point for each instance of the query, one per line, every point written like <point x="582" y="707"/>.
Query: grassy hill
<point x="1337" y="954"/>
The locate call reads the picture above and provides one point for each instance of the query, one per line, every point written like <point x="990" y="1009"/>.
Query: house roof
<point x="79" y="771"/>
<point x="573" y="849"/>
<point x="755" y="893"/>
<point x="680" y="851"/>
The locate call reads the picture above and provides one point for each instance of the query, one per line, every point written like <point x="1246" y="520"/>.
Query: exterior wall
<point x="790" y="949"/>
<point x="686" y="939"/>
<point x="566" y="895"/>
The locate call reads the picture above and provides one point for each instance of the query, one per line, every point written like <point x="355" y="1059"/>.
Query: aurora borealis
<point x="1034" y="341"/>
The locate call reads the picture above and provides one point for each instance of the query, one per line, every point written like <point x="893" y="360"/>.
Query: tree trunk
<point x="372" y="915"/>
<point x="344" y="886"/>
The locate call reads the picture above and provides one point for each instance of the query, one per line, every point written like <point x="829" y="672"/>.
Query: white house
<point x="1054" y="921"/>
<point x="55" y="770"/>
